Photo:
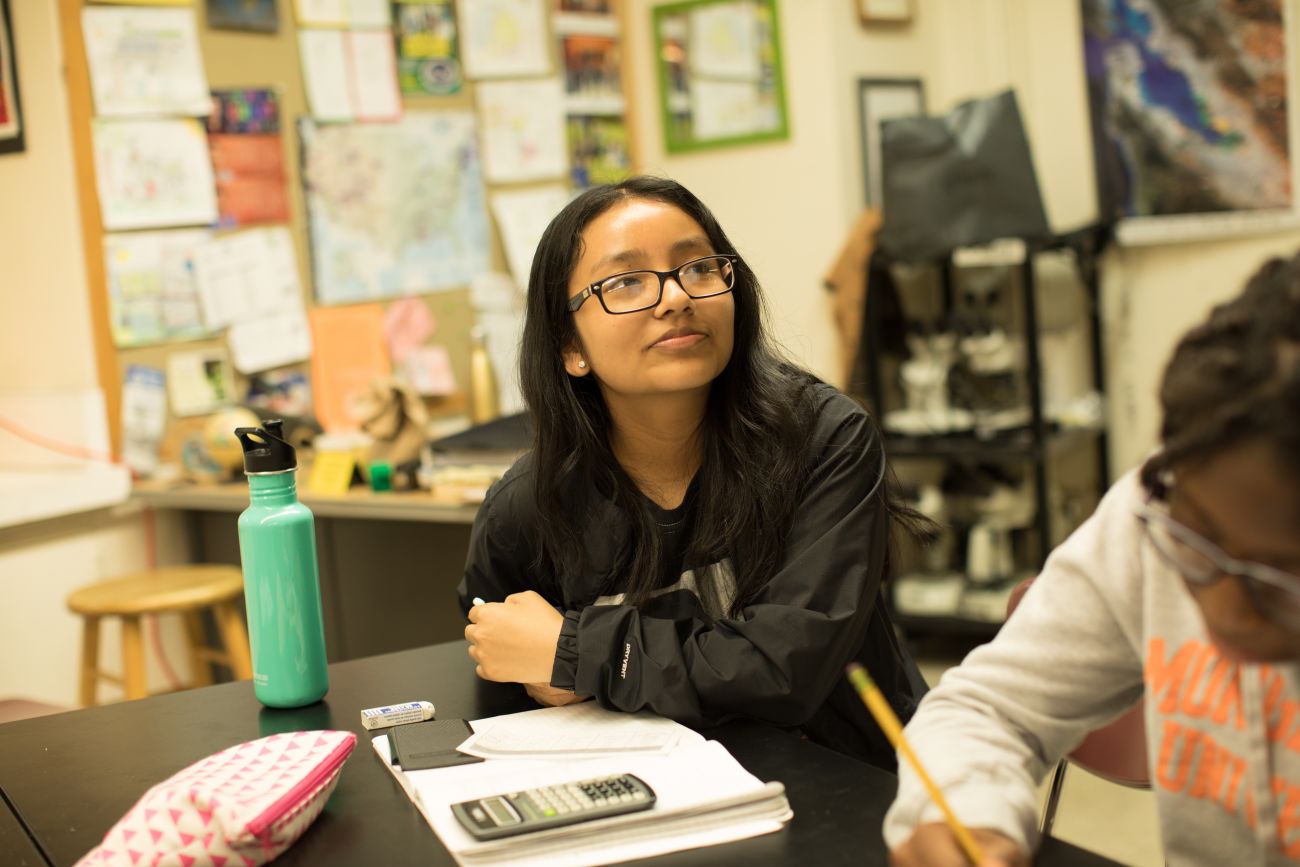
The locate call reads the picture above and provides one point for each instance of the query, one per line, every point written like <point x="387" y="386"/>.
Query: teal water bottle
<point x="277" y="546"/>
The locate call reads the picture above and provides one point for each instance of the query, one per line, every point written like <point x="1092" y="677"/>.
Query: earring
<point x="582" y="364"/>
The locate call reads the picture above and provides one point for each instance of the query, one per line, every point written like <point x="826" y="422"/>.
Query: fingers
<point x="475" y="613"/>
<point x="470" y="632"/>
<point x="933" y="845"/>
<point x="475" y="654"/>
<point x="518" y="598"/>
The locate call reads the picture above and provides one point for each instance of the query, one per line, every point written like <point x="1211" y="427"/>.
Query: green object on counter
<point x="381" y="476"/>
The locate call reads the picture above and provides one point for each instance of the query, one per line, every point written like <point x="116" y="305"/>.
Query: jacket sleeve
<point x="778" y="660"/>
<point x="1066" y="663"/>
<point x="499" y="557"/>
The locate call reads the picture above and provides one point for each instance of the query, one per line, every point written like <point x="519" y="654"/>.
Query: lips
<point x="678" y="338"/>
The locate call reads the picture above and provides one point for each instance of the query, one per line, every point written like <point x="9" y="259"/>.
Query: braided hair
<point x="1235" y="377"/>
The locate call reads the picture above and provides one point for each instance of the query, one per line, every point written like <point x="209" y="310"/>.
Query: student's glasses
<point x="633" y="291"/>
<point x="1274" y="593"/>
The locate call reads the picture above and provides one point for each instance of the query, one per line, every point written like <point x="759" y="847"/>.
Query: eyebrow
<point x="637" y="255"/>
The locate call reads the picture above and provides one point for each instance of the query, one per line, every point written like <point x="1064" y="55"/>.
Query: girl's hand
<point x="514" y="641"/>
<point x="544" y="693"/>
<point x="933" y="845"/>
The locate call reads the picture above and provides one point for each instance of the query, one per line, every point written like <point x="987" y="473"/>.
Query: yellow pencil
<point x="893" y="729"/>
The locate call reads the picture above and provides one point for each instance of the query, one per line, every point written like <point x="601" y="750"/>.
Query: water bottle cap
<point x="265" y="449"/>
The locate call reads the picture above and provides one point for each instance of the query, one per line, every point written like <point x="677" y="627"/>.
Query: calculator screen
<point x="500" y="812"/>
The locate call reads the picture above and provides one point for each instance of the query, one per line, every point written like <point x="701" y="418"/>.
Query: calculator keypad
<point x="552" y="806"/>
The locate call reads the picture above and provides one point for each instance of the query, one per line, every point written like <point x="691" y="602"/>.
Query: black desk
<point x="70" y="777"/>
<point x="16" y="847"/>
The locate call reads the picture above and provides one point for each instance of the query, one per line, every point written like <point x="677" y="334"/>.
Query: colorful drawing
<point x="244" y="112"/>
<point x="591" y="7"/>
<point x="258" y="16"/>
<point x="598" y="150"/>
<point x="426" y="47"/>
<point x="152" y="296"/>
<point x="592" y="75"/>
<point x="248" y="158"/>
<point x="153" y="174"/>
<point x="1190" y="110"/>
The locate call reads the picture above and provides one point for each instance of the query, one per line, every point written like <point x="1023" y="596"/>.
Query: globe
<point x="219" y="439"/>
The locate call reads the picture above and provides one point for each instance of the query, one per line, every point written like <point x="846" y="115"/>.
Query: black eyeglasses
<point x="1274" y="593"/>
<point x="633" y="291"/>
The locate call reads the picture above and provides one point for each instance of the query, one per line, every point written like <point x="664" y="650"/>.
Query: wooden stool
<point x="186" y="590"/>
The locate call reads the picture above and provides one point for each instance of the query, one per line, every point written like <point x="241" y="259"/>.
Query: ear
<point x="575" y="363"/>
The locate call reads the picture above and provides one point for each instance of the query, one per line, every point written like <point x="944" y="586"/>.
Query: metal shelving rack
<point x="1037" y="443"/>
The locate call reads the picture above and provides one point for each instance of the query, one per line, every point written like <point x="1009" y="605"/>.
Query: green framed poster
<point x="720" y="76"/>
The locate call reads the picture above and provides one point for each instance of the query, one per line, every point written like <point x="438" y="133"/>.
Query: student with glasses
<point x="701" y="529"/>
<point x="1184" y="586"/>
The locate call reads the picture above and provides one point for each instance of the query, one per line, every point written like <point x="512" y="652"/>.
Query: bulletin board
<point x="243" y="59"/>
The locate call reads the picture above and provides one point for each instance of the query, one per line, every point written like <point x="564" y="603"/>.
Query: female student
<point x="1184" y="586"/>
<point x="701" y="529"/>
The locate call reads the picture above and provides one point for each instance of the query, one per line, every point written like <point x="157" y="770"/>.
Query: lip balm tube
<point x="397" y="714"/>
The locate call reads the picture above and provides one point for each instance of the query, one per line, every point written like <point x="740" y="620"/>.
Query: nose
<point x="674" y="298"/>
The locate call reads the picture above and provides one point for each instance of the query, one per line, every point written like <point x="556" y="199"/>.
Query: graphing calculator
<point x="552" y="806"/>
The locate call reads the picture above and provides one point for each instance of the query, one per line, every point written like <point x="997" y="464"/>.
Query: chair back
<point x="1118" y="750"/>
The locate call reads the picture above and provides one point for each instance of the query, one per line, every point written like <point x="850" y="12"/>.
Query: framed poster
<point x="720" y="76"/>
<point x="1192" y="130"/>
<point x="11" y="112"/>
<point x="880" y="99"/>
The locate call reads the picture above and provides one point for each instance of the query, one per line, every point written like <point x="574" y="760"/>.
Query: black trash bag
<point x="963" y="179"/>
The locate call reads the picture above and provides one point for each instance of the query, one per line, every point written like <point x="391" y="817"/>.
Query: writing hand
<point x="514" y="641"/>
<point x="933" y="845"/>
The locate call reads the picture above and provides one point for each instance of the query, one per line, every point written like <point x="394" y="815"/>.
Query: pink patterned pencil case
<point x="240" y="807"/>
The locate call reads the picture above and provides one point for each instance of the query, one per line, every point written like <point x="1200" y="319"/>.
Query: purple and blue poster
<point x="1190" y="107"/>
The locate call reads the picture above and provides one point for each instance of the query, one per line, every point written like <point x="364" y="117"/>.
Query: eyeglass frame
<point x="1253" y="576"/>
<point x="579" y="299"/>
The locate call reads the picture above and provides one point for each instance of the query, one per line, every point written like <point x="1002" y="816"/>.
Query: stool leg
<point x="89" y="659"/>
<point x="200" y="671"/>
<point x="235" y="637"/>
<point x="133" y="670"/>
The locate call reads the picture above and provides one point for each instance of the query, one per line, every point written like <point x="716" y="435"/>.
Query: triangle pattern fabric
<point x="231" y="808"/>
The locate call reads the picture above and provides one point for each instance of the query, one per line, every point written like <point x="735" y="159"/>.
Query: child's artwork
<point x="522" y="127"/>
<point x="144" y="61"/>
<point x="154" y="174"/>
<point x="152" y="296"/>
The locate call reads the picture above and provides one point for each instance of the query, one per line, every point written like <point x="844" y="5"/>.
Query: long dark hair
<point x="1235" y="377"/>
<point x="754" y="437"/>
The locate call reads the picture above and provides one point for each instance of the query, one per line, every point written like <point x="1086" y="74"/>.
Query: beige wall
<point x="45" y="346"/>
<point x="44" y="319"/>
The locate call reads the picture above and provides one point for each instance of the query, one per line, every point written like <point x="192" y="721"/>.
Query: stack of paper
<point x="583" y="730"/>
<point x="703" y="796"/>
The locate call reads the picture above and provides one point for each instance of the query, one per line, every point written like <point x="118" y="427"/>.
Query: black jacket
<point x="782" y="661"/>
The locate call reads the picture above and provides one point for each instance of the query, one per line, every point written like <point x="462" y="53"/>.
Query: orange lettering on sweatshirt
<point x="1170" y="774"/>
<point x="1168" y="678"/>
<point x="1288" y="817"/>
<point x="1210" y="771"/>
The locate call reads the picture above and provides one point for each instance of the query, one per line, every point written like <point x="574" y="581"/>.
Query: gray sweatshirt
<point x="1106" y="620"/>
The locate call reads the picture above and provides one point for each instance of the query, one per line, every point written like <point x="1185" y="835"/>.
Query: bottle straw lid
<point x="265" y="449"/>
